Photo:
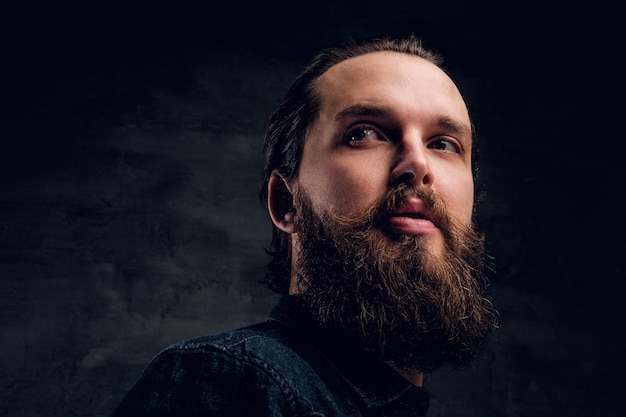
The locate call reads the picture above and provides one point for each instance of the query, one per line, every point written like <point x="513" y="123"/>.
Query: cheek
<point x="343" y="187"/>
<point x="459" y="198"/>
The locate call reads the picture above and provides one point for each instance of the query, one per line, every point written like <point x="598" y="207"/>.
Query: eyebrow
<point x="454" y="126"/>
<point x="361" y="110"/>
<point x="443" y="122"/>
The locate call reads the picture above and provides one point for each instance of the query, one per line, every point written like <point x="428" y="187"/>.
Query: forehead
<point x="390" y="79"/>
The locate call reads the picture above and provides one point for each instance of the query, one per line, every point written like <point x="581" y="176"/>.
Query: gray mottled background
<point x="131" y="153"/>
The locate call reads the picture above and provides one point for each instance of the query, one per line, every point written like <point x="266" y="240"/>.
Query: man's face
<point x="388" y="118"/>
<point x="384" y="249"/>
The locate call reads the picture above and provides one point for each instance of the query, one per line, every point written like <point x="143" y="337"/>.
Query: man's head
<point x="290" y="123"/>
<point x="369" y="184"/>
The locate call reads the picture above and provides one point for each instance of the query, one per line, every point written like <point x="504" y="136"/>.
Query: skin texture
<point x="385" y="118"/>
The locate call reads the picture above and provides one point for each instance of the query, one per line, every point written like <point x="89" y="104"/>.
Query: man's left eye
<point x="444" y="145"/>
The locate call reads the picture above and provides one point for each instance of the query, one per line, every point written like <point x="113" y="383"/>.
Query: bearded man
<point x="369" y="182"/>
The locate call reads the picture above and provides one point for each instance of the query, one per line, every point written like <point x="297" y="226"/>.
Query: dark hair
<point x="288" y="124"/>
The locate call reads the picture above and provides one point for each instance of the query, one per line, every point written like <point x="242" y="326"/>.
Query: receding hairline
<point x="315" y="83"/>
<point x="435" y="64"/>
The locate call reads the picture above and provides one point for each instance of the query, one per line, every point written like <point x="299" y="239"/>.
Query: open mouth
<point x="414" y="209"/>
<point x="412" y="217"/>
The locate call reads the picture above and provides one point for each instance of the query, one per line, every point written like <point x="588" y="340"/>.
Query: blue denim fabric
<point x="285" y="366"/>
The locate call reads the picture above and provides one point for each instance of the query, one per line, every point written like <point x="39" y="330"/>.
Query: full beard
<point x="414" y="308"/>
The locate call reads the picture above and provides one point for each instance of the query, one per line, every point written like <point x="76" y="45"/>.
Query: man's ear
<point x="280" y="203"/>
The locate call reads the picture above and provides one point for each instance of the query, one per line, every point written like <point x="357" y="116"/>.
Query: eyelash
<point x="455" y="144"/>
<point x="351" y="133"/>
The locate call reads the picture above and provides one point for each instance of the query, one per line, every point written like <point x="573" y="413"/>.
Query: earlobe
<point x="280" y="203"/>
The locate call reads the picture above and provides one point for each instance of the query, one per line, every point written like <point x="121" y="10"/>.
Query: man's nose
<point x="412" y="164"/>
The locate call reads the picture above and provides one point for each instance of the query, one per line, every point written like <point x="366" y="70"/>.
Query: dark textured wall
<point x="129" y="217"/>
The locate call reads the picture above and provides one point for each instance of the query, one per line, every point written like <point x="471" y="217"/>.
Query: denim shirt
<point x="284" y="366"/>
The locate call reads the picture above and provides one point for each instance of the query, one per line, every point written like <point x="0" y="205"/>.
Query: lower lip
<point x="411" y="226"/>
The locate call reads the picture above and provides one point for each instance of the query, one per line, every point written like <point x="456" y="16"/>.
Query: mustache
<point x="378" y="213"/>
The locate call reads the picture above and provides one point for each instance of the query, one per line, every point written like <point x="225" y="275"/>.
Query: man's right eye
<point x="362" y="134"/>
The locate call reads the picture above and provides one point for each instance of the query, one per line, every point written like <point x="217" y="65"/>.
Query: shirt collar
<point x="374" y="382"/>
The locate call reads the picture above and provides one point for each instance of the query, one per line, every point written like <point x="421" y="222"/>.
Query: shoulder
<point x="267" y="349"/>
<point x="258" y="341"/>
<point x="233" y="340"/>
<point x="256" y="366"/>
